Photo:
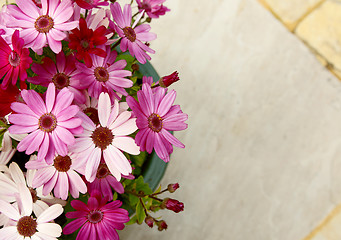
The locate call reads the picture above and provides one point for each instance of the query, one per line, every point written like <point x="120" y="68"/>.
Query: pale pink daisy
<point x="60" y="176"/>
<point x="155" y="118"/>
<point x="108" y="139"/>
<point x="50" y="125"/>
<point x="105" y="75"/>
<point x="22" y="225"/>
<point x="133" y="36"/>
<point x="62" y="74"/>
<point x="42" y="26"/>
<point x="97" y="220"/>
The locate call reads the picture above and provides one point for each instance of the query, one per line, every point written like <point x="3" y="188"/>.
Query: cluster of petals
<point x="61" y="73"/>
<point x="86" y="4"/>
<point x="13" y="61"/>
<point x="86" y="41"/>
<point x="156" y="116"/>
<point x="133" y="37"/>
<point x="153" y="8"/>
<point x="98" y="219"/>
<point x="105" y="75"/>
<point x="107" y="140"/>
<point x="41" y="26"/>
<point x="51" y="124"/>
<point x="60" y="176"/>
<point x="22" y="225"/>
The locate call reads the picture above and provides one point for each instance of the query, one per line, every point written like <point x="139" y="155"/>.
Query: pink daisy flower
<point x="51" y="125"/>
<point x="132" y="36"/>
<point x="62" y="74"/>
<point x="90" y="4"/>
<point x="23" y="225"/>
<point x="108" y="139"/>
<point x="155" y="118"/>
<point x="105" y="75"/>
<point x="97" y="220"/>
<point x="153" y="8"/>
<point x="13" y="62"/>
<point x="104" y="181"/>
<point x="42" y="26"/>
<point x="60" y="176"/>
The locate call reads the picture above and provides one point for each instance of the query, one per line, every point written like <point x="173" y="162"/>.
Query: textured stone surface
<point x="290" y="11"/>
<point x="321" y="31"/>
<point x="263" y="148"/>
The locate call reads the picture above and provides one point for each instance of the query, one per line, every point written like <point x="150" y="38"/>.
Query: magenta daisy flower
<point x="97" y="220"/>
<point x="108" y="139"/>
<point x="155" y="118"/>
<point x="45" y="25"/>
<point x="13" y="62"/>
<point x="62" y="74"/>
<point x="132" y="36"/>
<point x="104" y="181"/>
<point x="51" y="125"/>
<point x="153" y="8"/>
<point x="60" y="176"/>
<point x="105" y="75"/>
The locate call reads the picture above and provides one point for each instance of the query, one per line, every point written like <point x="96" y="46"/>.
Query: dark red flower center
<point x="95" y="216"/>
<point x="14" y="59"/>
<point x="102" y="171"/>
<point x="92" y="113"/>
<point x="101" y="74"/>
<point x="47" y="122"/>
<point x="155" y="122"/>
<point x="85" y="43"/>
<point x="44" y="23"/>
<point x="102" y="137"/>
<point x="61" y="80"/>
<point x="129" y="33"/>
<point x="27" y="226"/>
<point x="33" y="194"/>
<point x="62" y="164"/>
<point x="146" y="6"/>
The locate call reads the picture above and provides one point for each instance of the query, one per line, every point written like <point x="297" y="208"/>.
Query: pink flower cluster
<point x="70" y="101"/>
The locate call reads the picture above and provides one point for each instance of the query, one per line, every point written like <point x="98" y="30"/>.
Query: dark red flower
<point x="7" y="97"/>
<point x="85" y="41"/>
<point x="170" y="79"/>
<point x="173" y="204"/>
<point x="13" y="62"/>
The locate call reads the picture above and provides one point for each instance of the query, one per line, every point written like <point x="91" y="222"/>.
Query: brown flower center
<point x="33" y="194"/>
<point x="47" y="122"/>
<point x="14" y="59"/>
<point x="95" y="216"/>
<point x="92" y="113"/>
<point x="85" y="43"/>
<point x="61" y="80"/>
<point x="27" y="226"/>
<point x="101" y="74"/>
<point x="44" y="23"/>
<point x="129" y="33"/>
<point x="102" y="171"/>
<point x="62" y="164"/>
<point x="155" y="122"/>
<point x="102" y="137"/>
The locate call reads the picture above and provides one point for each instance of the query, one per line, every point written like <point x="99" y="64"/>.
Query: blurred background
<point x="260" y="82"/>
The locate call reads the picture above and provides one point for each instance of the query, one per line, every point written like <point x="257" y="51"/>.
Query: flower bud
<point x="149" y="221"/>
<point x="172" y="187"/>
<point x="168" y="80"/>
<point x="173" y="204"/>
<point x="162" y="225"/>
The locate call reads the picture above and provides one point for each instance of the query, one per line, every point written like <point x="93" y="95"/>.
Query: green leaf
<point x="142" y="186"/>
<point x="140" y="214"/>
<point x="133" y="200"/>
<point x="132" y="220"/>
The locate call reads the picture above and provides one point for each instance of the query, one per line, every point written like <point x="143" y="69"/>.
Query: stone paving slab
<point x="263" y="147"/>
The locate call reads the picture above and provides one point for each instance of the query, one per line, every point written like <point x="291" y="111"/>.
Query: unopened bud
<point x="149" y="221"/>
<point x="162" y="225"/>
<point x="172" y="187"/>
<point x="148" y="20"/>
<point x="173" y="204"/>
<point x="170" y="79"/>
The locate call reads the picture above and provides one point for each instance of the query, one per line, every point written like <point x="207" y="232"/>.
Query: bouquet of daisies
<point x="78" y="118"/>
